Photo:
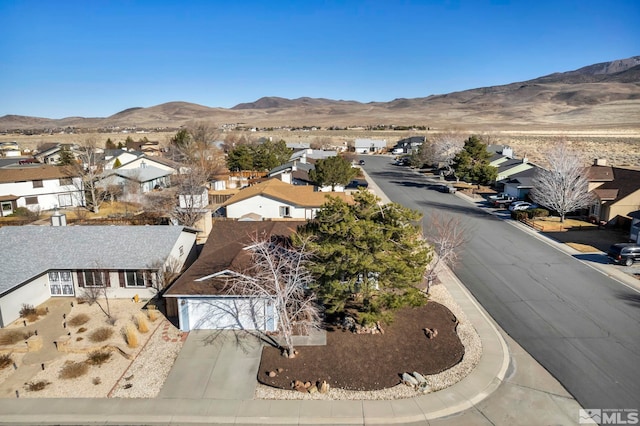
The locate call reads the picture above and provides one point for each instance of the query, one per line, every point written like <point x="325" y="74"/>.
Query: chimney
<point x="600" y="162"/>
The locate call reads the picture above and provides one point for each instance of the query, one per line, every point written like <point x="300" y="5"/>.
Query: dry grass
<point x="101" y="334"/>
<point x="11" y="337"/>
<point x="5" y="361"/>
<point x="36" y="386"/>
<point x="81" y="330"/>
<point x="78" y="320"/>
<point x="131" y="336"/>
<point x="98" y="357"/>
<point x="141" y="322"/>
<point x="553" y="224"/>
<point x="72" y="370"/>
<point x="153" y="314"/>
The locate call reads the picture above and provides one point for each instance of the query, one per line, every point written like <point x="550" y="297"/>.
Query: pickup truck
<point x="502" y="202"/>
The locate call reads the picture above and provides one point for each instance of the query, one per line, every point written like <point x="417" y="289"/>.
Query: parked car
<point x="500" y="196"/>
<point x="503" y="202"/>
<point x="361" y="162"/>
<point x="447" y="189"/>
<point x="624" y="253"/>
<point x="522" y="205"/>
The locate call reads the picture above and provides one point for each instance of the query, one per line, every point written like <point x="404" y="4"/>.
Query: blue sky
<point x="93" y="58"/>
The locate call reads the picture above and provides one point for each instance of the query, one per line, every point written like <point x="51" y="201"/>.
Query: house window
<point x="31" y="200"/>
<point x="64" y="200"/>
<point x="181" y="250"/>
<point x="139" y="278"/>
<point x="6" y="206"/>
<point x="38" y="184"/>
<point x="285" y="211"/>
<point x="94" y="278"/>
<point x="60" y="283"/>
<point x="66" y="181"/>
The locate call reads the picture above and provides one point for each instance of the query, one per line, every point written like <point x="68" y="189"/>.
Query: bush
<point x="11" y="337"/>
<point x="27" y="310"/>
<point x="131" y="336"/>
<point x="141" y="322"/>
<point x="81" y="330"/>
<point x="71" y="370"/>
<point x="101" y="334"/>
<point x="5" y="361"/>
<point x="98" y="357"/>
<point x="519" y="215"/>
<point x="36" y="386"/>
<point x="153" y="314"/>
<point x="96" y="380"/>
<point x="538" y="213"/>
<point x="78" y="320"/>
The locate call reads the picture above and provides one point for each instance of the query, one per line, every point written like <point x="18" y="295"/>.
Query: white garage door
<point x="227" y="313"/>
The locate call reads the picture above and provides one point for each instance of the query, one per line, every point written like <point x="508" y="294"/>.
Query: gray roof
<point x="29" y="251"/>
<point x="145" y="174"/>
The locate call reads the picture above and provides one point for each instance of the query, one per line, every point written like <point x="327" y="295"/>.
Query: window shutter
<point x="107" y="278"/>
<point x="121" y="278"/>
<point x="80" y="278"/>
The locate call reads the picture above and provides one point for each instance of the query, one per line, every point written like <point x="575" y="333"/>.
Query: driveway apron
<point x="214" y="365"/>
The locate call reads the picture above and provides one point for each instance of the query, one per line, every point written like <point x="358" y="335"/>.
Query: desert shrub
<point x="41" y="311"/>
<point x="11" y="337"/>
<point x="78" y="339"/>
<point x="153" y="314"/>
<point x="71" y="370"/>
<point x="81" y="330"/>
<point x="519" y="215"/>
<point x="96" y="380"/>
<point x="78" y="320"/>
<point x="27" y="310"/>
<point x="36" y="386"/>
<point x="101" y="334"/>
<point x="5" y="361"/>
<point x="141" y="322"/>
<point x="131" y="336"/>
<point x="98" y="357"/>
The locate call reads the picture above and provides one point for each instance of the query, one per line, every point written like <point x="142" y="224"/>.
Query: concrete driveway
<point x="214" y="365"/>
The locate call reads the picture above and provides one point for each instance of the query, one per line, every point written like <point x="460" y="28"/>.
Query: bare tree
<point x="89" y="168"/>
<point x="564" y="186"/>
<point x="193" y="146"/>
<point x="281" y="278"/>
<point x="448" y="234"/>
<point x="165" y="273"/>
<point x="441" y="149"/>
<point x="95" y="289"/>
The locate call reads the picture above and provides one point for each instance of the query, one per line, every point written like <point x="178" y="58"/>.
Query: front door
<point x="60" y="283"/>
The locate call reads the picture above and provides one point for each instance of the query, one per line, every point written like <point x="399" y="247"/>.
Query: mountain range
<point x="604" y="95"/>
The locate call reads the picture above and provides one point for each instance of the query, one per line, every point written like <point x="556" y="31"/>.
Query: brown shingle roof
<point x="606" y="194"/>
<point x="224" y="250"/>
<point x="600" y="173"/>
<point x="29" y="173"/>
<point x="626" y="182"/>
<point x="298" y="195"/>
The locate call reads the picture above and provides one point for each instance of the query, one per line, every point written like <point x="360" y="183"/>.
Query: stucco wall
<point x="33" y="293"/>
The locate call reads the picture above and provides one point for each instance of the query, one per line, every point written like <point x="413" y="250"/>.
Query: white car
<point x="522" y="205"/>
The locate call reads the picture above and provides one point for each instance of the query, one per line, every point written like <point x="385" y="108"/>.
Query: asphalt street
<point x="581" y="325"/>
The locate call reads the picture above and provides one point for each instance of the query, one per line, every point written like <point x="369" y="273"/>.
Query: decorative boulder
<point x="419" y="377"/>
<point x="409" y="380"/>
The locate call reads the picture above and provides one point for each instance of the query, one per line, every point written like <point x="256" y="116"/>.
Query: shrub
<point x="78" y="320"/>
<point x="11" y="337"/>
<point x="78" y="339"/>
<point x="101" y="334"/>
<point x="5" y="361"/>
<point x="538" y="213"/>
<point x="141" y="322"/>
<point x="131" y="336"/>
<point x="153" y="314"/>
<point x="81" y="330"/>
<point x="27" y="310"/>
<point x="71" y="370"/>
<point x="41" y="311"/>
<point x="36" y="386"/>
<point x="98" y="357"/>
<point x="519" y="214"/>
<point x="96" y="380"/>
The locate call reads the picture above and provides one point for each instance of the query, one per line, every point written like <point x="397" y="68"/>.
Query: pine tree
<point x="332" y="171"/>
<point x="472" y="163"/>
<point x="368" y="257"/>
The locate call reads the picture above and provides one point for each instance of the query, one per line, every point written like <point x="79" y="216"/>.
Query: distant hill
<point x="600" y="95"/>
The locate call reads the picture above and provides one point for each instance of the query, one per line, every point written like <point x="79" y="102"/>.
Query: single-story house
<point x="617" y="192"/>
<point x="364" y="146"/>
<point x="40" y="262"/>
<point x="199" y="298"/>
<point x="50" y="153"/>
<point x="519" y="184"/>
<point x="407" y="145"/>
<point x="39" y="187"/>
<point x="136" y="181"/>
<point x="511" y="167"/>
<point x="273" y="199"/>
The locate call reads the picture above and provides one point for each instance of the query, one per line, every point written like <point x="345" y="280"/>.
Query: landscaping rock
<point x="409" y="380"/>
<point x="324" y="387"/>
<point x="419" y="377"/>
<point x="272" y="374"/>
<point x="313" y="389"/>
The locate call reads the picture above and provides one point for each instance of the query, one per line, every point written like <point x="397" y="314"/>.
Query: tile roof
<point x="29" y="173"/>
<point x="29" y="251"/>
<point x="224" y="250"/>
<point x="298" y="195"/>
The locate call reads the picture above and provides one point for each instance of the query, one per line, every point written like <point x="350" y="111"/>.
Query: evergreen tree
<point x="367" y="257"/>
<point x="332" y="171"/>
<point x="66" y="157"/>
<point x="472" y="163"/>
<point x="109" y="144"/>
<point x="117" y="163"/>
<point x="240" y="158"/>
